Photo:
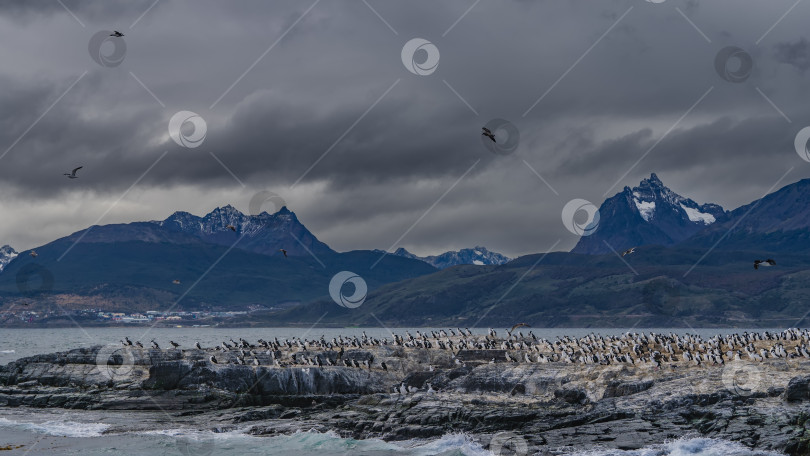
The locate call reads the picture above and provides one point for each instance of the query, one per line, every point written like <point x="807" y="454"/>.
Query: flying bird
<point x="34" y="254"/>
<point x="629" y="251"/>
<point x="72" y="174"/>
<point x="176" y="282"/>
<point x="116" y="34"/>
<point x="488" y="133"/>
<point x="768" y="262"/>
<point x="284" y="252"/>
<point x="231" y="227"/>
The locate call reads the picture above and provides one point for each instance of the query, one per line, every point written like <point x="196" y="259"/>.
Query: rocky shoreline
<point x="546" y="408"/>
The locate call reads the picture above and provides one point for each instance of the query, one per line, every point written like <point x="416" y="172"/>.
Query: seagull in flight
<point x="629" y="251"/>
<point x="284" y="252"/>
<point x="176" y="281"/>
<point x="768" y="262"/>
<point x="231" y="227"/>
<point x="72" y="174"/>
<point x="488" y="133"/>
<point x="116" y="34"/>
<point x="34" y="254"/>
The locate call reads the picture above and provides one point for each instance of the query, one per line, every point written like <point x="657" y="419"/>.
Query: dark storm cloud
<point x="796" y="53"/>
<point x="29" y="11"/>
<point x="601" y="100"/>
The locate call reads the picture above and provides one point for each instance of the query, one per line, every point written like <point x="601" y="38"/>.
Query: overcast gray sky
<point x="602" y="92"/>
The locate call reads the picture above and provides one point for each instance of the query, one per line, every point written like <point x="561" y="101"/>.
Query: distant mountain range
<point x="477" y="255"/>
<point x="693" y="264"/>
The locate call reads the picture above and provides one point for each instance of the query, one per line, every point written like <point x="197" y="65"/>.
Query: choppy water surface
<point x="104" y="433"/>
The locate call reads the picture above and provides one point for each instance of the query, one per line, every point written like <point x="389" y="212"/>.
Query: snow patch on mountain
<point x="6" y="255"/>
<point x="645" y="208"/>
<point x="697" y="216"/>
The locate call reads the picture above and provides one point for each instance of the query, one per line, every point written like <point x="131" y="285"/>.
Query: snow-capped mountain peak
<point x="652" y="197"/>
<point x="263" y="233"/>
<point x="650" y="213"/>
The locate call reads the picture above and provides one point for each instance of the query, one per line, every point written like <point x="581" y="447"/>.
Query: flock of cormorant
<point x="630" y="348"/>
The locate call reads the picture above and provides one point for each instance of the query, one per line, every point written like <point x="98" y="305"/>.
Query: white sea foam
<point x="199" y="435"/>
<point x="58" y="428"/>
<point x="684" y="447"/>
<point x="321" y="443"/>
<point x="450" y="444"/>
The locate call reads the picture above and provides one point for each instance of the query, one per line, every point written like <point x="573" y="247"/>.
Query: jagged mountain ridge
<point x="477" y="255"/>
<point x="650" y="214"/>
<point x="263" y="233"/>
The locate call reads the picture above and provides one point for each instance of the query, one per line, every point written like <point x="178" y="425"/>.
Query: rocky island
<point x="519" y="392"/>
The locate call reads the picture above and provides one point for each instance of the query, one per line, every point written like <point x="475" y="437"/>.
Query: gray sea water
<point x="91" y="433"/>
